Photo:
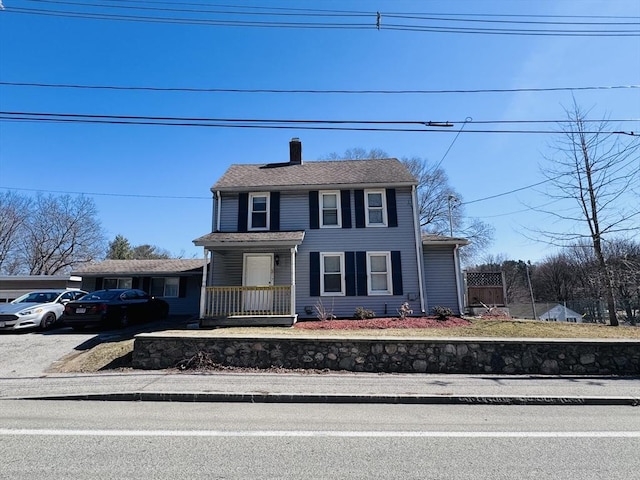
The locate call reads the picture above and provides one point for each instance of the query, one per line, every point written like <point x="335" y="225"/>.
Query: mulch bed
<point x="382" y="323"/>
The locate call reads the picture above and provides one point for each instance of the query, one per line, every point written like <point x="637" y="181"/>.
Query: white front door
<point x="258" y="271"/>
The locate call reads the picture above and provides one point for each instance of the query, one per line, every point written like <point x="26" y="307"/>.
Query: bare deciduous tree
<point x="14" y="210"/>
<point x="61" y="232"/>
<point x="440" y="207"/>
<point x="597" y="172"/>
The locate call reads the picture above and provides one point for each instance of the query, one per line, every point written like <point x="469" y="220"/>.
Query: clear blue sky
<point x="144" y="178"/>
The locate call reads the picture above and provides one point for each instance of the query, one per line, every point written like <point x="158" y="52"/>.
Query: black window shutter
<point x="392" y="210"/>
<point x="146" y="283"/>
<point x="396" y="272"/>
<point x="358" y="196"/>
<point x="135" y="282"/>
<point x="182" y="288"/>
<point x="99" y="282"/>
<point x="314" y="216"/>
<point x="274" y="215"/>
<point x="243" y="211"/>
<point x="350" y="273"/>
<point x="345" y="206"/>
<point x="361" y="273"/>
<point x="314" y="277"/>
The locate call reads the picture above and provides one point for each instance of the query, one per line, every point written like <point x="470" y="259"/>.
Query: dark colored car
<point x="113" y="308"/>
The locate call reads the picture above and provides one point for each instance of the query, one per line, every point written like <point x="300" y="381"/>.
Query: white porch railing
<point x="231" y="301"/>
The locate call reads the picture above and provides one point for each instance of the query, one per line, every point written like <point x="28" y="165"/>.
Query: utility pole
<point x="451" y="198"/>
<point x="533" y="302"/>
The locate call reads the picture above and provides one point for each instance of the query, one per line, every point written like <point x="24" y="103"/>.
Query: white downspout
<point x="203" y="287"/>
<point x="293" y="280"/>
<point x="459" y="285"/>
<point x="218" y="208"/>
<point x="418" y="240"/>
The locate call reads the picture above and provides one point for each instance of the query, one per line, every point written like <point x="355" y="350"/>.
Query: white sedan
<point x="40" y="309"/>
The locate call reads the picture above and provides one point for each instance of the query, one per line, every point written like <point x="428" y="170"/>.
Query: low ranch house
<point x="177" y="281"/>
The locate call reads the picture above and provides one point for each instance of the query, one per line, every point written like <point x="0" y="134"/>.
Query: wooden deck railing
<point x="229" y="301"/>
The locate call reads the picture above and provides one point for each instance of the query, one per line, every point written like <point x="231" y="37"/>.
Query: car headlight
<point x="30" y="312"/>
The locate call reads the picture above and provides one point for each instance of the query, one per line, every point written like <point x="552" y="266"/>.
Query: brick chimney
<point x="295" y="151"/>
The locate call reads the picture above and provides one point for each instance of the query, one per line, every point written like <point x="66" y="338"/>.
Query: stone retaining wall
<point x="505" y="356"/>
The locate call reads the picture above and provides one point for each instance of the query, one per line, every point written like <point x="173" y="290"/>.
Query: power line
<point x="372" y="20"/>
<point x="312" y="91"/>
<point x="356" y="125"/>
<point x="131" y="195"/>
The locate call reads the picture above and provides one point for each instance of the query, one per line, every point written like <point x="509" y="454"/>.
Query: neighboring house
<point x="177" y="281"/>
<point x="560" y="313"/>
<point x="293" y="238"/>
<point x="13" y="286"/>
<point x="554" y="312"/>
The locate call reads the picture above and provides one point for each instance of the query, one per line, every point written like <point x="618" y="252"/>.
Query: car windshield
<point x="37" y="297"/>
<point x="100" y="295"/>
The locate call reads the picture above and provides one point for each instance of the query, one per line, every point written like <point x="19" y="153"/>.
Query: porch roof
<point x="431" y="239"/>
<point x="232" y="240"/>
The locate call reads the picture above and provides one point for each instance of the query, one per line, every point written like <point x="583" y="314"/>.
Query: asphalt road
<point x="114" y="440"/>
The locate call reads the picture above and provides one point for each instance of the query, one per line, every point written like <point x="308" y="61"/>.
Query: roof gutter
<point x="327" y="186"/>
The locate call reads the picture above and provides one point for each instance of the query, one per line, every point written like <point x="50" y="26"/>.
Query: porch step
<point x="249" y="321"/>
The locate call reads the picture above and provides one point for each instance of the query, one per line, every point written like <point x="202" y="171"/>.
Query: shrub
<point x="404" y="310"/>
<point x="442" y="313"/>
<point x="363" y="314"/>
<point x="322" y="313"/>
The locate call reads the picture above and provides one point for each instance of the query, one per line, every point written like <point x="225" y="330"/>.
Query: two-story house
<point x="290" y="239"/>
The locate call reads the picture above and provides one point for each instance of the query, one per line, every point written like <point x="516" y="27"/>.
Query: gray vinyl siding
<point x="229" y="213"/>
<point x="228" y="268"/>
<point x="190" y="303"/>
<point x="384" y="239"/>
<point x="294" y="215"/>
<point x="440" y="278"/>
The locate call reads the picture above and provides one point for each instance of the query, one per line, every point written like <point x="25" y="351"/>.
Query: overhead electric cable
<point x="313" y="91"/>
<point x="261" y="123"/>
<point x="134" y="195"/>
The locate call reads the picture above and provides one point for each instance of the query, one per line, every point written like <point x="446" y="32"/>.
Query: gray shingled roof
<point x="164" y="266"/>
<point x="247" y="239"/>
<point x="432" y="239"/>
<point x="278" y="176"/>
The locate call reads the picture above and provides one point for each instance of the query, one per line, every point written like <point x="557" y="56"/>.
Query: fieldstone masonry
<point x="548" y="357"/>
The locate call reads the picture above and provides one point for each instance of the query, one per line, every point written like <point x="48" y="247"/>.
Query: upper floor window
<point x="258" y="211"/>
<point x="375" y="208"/>
<point x="332" y="274"/>
<point x="165" y="287"/>
<point x="330" y="209"/>
<point x="379" y="273"/>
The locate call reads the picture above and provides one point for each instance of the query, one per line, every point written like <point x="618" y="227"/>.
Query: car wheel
<point x="47" y="321"/>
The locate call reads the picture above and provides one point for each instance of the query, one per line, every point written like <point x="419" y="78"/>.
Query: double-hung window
<point x="330" y="209"/>
<point x="258" y="211"/>
<point x="375" y="208"/>
<point x="379" y="273"/>
<point x="122" y="282"/>
<point x="332" y="274"/>
<point x="165" y="287"/>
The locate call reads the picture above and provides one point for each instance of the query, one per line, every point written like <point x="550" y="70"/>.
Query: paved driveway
<point x="30" y="354"/>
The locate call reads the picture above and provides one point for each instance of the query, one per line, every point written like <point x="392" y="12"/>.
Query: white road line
<point x="312" y="433"/>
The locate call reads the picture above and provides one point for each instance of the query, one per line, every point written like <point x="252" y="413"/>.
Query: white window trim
<point x="389" y="290"/>
<point x="342" y="274"/>
<point x="338" y="208"/>
<point x="384" y="208"/>
<point x="250" y="210"/>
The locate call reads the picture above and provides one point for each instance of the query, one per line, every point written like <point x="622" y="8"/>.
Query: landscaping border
<point x="392" y="354"/>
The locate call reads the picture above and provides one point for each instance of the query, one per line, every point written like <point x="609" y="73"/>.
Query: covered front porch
<point x="251" y="278"/>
